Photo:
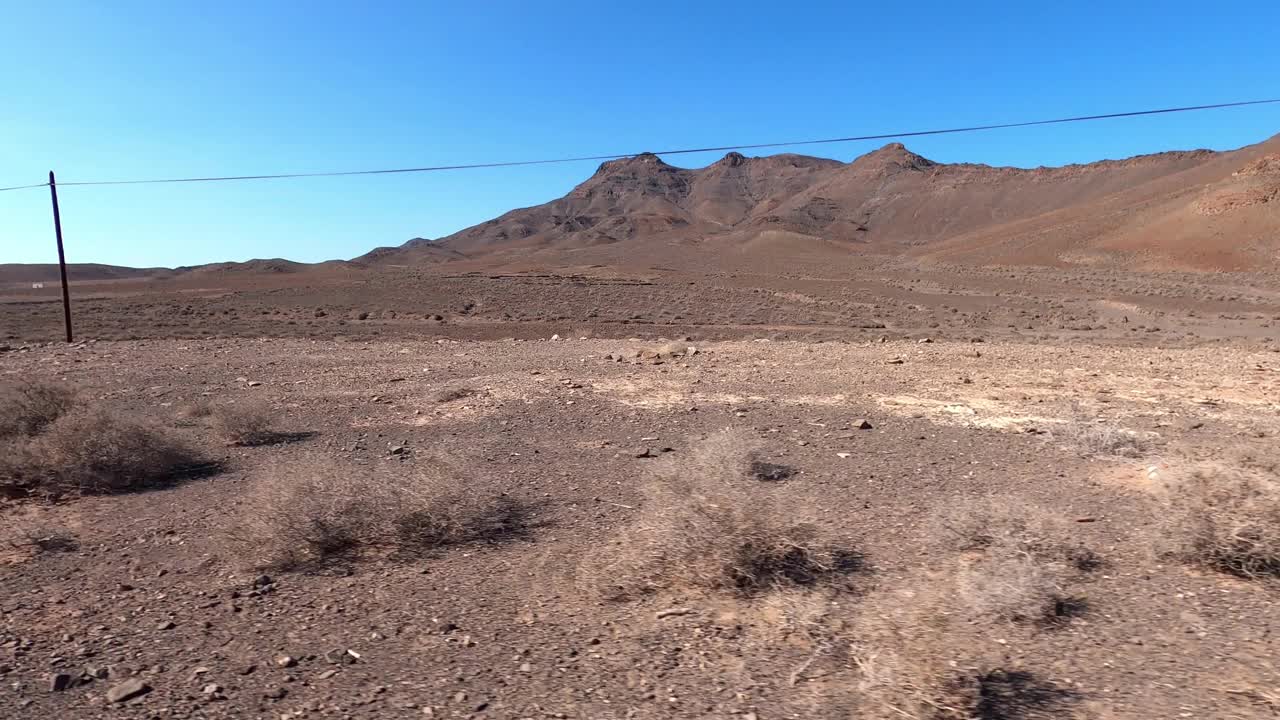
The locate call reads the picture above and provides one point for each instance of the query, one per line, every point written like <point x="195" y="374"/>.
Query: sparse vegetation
<point x="199" y="408"/>
<point x="42" y="539"/>
<point x="1100" y="440"/>
<point x="246" y="423"/>
<point x="27" y="409"/>
<point x="308" y="512"/>
<point x="453" y="392"/>
<point x="701" y="528"/>
<point x="1226" y="518"/>
<point x="925" y="650"/>
<point x="977" y="523"/>
<point x="1009" y="584"/>
<point x="90" y="450"/>
<point x="54" y="444"/>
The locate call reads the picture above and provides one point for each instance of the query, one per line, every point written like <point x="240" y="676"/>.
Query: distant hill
<point x="1189" y="210"/>
<point x="48" y="272"/>
<point x="1186" y="210"/>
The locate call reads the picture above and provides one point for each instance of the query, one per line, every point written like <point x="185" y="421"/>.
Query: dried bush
<point x="927" y="650"/>
<point x="1093" y="439"/>
<point x="89" y="450"/>
<point x="1226" y="518"/>
<point x="310" y="511"/>
<point x="453" y="392"/>
<point x="1009" y="584"/>
<point x="248" y="423"/>
<point x="706" y="526"/>
<point x="42" y="539"/>
<point x="201" y="407"/>
<point x="27" y="409"/>
<point x="977" y="523"/>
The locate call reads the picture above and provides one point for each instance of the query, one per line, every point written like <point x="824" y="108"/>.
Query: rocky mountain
<point x="1181" y="210"/>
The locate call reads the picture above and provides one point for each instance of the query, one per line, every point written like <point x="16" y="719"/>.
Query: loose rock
<point x="128" y="690"/>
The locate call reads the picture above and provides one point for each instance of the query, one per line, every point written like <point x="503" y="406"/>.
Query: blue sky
<point x="124" y="90"/>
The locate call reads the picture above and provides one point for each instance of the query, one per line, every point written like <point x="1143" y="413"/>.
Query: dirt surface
<point x="151" y="591"/>
<point x="566" y="358"/>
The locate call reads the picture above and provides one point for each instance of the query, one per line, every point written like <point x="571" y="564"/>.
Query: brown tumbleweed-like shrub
<point x="705" y="525"/>
<point x="246" y="423"/>
<point x="90" y="450"/>
<point x="313" y="510"/>
<point x="28" y="408"/>
<point x="1226" y="518"/>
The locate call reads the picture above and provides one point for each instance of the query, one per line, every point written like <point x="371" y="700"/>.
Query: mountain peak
<point x="894" y="156"/>
<point x="642" y="162"/>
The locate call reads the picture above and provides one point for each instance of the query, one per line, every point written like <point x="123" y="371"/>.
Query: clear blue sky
<point x="97" y="90"/>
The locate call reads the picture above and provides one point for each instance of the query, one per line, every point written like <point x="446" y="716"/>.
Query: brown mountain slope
<point x="48" y="272"/>
<point x="1196" y="209"/>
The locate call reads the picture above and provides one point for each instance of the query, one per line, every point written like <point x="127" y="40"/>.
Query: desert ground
<point x="881" y="489"/>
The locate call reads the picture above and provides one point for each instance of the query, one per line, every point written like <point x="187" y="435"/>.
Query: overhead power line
<point x="684" y="151"/>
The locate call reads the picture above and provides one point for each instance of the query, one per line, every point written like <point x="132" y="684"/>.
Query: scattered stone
<point x="286" y="661"/>
<point x="327" y="674"/>
<point x="338" y="656"/>
<point x="924" y="341"/>
<point x="397" y="449"/>
<point x="59" y="682"/>
<point x="165" y="625"/>
<point x="253" y="383"/>
<point x="673" y="612"/>
<point x="211" y="689"/>
<point x="127" y="690"/>
<point x="642" y="452"/>
<point x="861" y="424"/>
<point x="555" y="337"/>
<point x="275" y="693"/>
<point x="844" y="455"/>
<point x="262" y="581"/>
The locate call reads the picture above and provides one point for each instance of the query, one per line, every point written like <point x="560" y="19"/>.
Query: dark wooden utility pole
<point x="62" y="256"/>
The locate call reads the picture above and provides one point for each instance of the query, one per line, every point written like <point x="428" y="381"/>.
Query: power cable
<point x="685" y="151"/>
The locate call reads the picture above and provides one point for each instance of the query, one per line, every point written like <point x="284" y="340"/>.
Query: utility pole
<point x="62" y="257"/>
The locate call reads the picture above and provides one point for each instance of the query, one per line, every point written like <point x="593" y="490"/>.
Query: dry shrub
<point x="244" y="423"/>
<point x="978" y="523"/>
<point x="27" y="409"/>
<point x="89" y="450"/>
<point x="39" y="539"/>
<point x="1093" y="439"/>
<point x="930" y="651"/>
<point x="707" y="526"/>
<point x="201" y="407"/>
<point x="1226" y="518"/>
<point x="1009" y="584"/>
<point x="313" y="510"/>
<point x="453" y="392"/>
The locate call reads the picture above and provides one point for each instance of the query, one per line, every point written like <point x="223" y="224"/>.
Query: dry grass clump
<point x="89" y="450"/>
<point x="1226" y="519"/>
<point x="38" y="539"/>
<point x="244" y="423"/>
<point x="1097" y="440"/>
<point x="977" y="523"/>
<point x="705" y="525"/>
<point x="930" y="650"/>
<point x="27" y="409"/>
<point x="453" y="392"/>
<point x="310" y="511"/>
<point x="200" y="408"/>
<point x="1009" y="584"/>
